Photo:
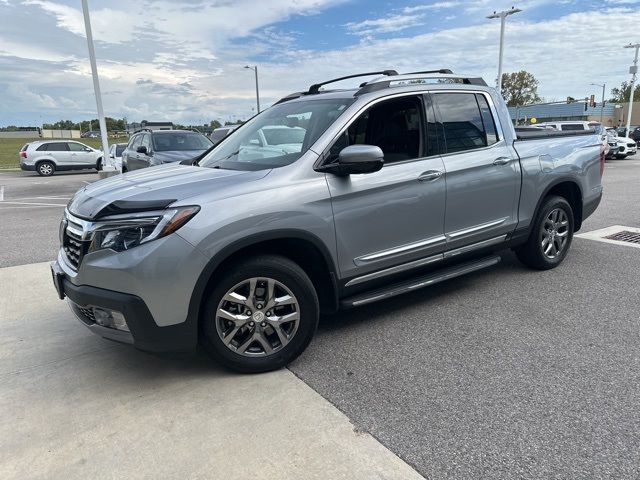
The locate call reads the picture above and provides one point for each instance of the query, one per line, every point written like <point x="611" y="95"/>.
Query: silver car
<point x="48" y="156"/>
<point x="405" y="182"/>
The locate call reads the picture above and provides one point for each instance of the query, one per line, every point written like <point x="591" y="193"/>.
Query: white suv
<point x="45" y="157"/>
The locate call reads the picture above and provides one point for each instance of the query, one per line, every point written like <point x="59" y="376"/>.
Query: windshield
<point x="278" y="136"/>
<point x="120" y="149"/>
<point x="172" y="142"/>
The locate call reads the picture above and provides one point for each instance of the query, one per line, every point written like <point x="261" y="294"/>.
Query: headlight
<point x="122" y="232"/>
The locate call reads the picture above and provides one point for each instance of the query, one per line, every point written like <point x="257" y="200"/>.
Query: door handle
<point x="502" y="160"/>
<point x="430" y="175"/>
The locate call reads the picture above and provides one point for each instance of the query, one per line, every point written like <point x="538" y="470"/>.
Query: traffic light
<point x="592" y="101"/>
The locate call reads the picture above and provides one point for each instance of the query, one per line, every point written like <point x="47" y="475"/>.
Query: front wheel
<point x="260" y="316"/>
<point x="551" y="235"/>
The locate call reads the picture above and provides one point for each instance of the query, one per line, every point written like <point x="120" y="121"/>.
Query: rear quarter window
<point x="42" y="148"/>
<point x="24" y="147"/>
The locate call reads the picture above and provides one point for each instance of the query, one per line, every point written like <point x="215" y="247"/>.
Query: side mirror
<point x="142" y="149"/>
<point x="87" y="149"/>
<point x="356" y="159"/>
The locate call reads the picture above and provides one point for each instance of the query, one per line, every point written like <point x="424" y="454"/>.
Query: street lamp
<point x="255" y="70"/>
<point x="502" y="16"/>
<point x="604" y="85"/>
<point x="108" y="164"/>
<point x="633" y="70"/>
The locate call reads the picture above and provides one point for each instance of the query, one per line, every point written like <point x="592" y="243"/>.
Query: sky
<point x="182" y="60"/>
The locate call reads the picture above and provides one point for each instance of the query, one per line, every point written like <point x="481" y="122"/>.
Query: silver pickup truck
<point x="406" y="181"/>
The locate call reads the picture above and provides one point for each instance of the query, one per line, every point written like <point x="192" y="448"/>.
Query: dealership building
<point x="613" y="115"/>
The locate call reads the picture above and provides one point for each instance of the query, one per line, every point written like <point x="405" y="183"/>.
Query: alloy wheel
<point x="45" y="169"/>
<point x="257" y="317"/>
<point x="554" y="233"/>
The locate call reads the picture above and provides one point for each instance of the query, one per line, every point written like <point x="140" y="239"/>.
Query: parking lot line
<point x="35" y="204"/>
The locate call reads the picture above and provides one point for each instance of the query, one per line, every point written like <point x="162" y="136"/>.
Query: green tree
<point x="519" y="88"/>
<point x="215" y="124"/>
<point x="621" y="94"/>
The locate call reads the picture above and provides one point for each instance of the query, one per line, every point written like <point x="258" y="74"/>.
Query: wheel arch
<point x="570" y="190"/>
<point x="302" y="247"/>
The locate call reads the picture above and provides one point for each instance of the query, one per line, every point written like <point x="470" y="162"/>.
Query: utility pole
<point x="107" y="163"/>
<point x="633" y="70"/>
<point x="604" y="85"/>
<point x="255" y="70"/>
<point x="503" y="17"/>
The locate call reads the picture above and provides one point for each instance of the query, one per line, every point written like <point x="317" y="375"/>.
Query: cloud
<point x="394" y="23"/>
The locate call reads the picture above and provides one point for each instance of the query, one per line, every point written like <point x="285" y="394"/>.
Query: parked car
<point x="91" y="134"/>
<point x="49" y="156"/>
<point x="219" y="133"/>
<point x="634" y="132"/>
<point x="115" y="152"/>
<point x="625" y="146"/>
<point x="151" y="148"/>
<point x="398" y="185"/>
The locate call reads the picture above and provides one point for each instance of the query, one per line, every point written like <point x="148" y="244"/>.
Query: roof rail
<point x="143" y="130"/>
<point x="315" y="88"/>
<point x="442" y="74"/>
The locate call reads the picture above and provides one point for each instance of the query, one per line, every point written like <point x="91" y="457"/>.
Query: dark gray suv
<point x="150" y="148"/>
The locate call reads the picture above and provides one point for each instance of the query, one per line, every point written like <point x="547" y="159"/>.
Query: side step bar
<point x="420" y="282"/>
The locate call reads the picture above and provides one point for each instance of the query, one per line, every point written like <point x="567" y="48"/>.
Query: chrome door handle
<point x="501" y="160"/>
<point x="430" y="175"/>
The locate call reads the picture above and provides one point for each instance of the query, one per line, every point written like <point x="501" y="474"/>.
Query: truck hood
<point x="153" y="189"/>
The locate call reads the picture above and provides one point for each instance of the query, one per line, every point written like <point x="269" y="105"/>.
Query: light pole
<point x="502" y="16"/>
<point x="604" y="85"/>
<point x="106" y="162"/>
<point x="255" y="70"/>
<point x="633" y="70"/>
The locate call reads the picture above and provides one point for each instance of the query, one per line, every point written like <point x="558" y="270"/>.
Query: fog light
<point x="110" y="319"/>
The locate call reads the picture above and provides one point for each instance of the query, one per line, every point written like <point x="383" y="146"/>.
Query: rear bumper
<point x="27" y="168"/>
<point x="145" y="334"/>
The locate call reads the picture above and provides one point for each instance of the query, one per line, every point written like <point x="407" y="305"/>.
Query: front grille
<point x="73" y="245"/>
<point x="625" y="236"/>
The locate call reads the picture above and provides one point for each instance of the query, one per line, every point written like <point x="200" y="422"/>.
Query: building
<point x="612" y="114"/>
<point x="134" y="127"/>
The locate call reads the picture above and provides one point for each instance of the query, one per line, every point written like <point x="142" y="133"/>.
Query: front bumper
<point x="144" y="333"/>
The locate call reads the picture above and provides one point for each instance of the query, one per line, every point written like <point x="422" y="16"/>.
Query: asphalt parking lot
<point x="507" y="373"/>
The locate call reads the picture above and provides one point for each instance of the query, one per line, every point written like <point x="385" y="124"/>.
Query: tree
<point x="621" y="94"/>
<point x="215" y="124"/>
<point x="519" y="88"/>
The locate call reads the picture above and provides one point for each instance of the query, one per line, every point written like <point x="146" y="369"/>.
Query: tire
<point x="251" y="331"/>
<point x="99" y="164"/>
<point x="545" y="231"/>
<point x="621" y="157"/>
<point x="46" y="168"/>
<point x="124" y="169"/>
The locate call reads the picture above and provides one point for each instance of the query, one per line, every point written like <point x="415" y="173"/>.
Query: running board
<point x="420" y="282"/>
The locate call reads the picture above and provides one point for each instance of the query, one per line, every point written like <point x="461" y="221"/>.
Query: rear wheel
<point x="46" y="168"/>
<point x="260" y="316"/>
<point x="551" y="235"/>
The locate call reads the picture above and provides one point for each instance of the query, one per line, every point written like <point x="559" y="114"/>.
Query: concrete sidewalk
<point x="77" y="406"/>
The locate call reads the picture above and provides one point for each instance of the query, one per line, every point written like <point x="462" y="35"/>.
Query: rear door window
<point x="57" y="147"/>
<point x="462" y="121"/>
